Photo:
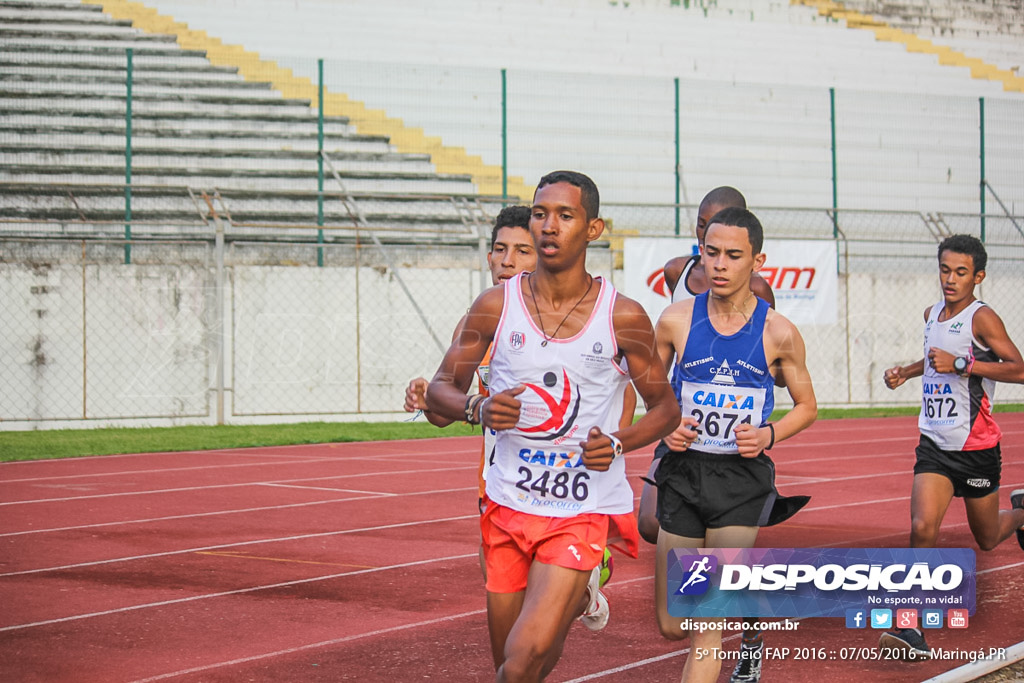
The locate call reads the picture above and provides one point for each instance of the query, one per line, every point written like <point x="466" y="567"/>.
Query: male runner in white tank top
<point x="967" y="350"/>
<point x="557" y="488"/>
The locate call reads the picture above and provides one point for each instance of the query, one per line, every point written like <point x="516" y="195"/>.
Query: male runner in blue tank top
<point x="685" y="278"/>
<point x="716" y="486"/>
<point x="966" y="351"/>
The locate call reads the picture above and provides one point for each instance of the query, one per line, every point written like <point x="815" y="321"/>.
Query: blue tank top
<point x="724" y="381"/>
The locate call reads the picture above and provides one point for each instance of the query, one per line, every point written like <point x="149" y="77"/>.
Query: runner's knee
<point x="647" y="525"/>
<point x="524" y="662"/>
<point x="923" y="531"/>
<point x="986" y="542"/>
<point x="670" y="628"/>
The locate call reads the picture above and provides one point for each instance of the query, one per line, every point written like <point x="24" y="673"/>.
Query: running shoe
<point x="606" y="566"/>
<point x="1017" y="501"/>
<point x="748" y="668"/>
<point x="595" y="616"/>
<point x="906" y="641"/>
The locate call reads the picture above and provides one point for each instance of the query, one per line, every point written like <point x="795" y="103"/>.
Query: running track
<point x="358" y="562"/>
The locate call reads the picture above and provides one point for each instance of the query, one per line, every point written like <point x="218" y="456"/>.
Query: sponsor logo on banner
<point x="781" y="279"/>
<point x="802" y="274"/>
<point x="656" y="282"/>
<point x="821" y="582"/>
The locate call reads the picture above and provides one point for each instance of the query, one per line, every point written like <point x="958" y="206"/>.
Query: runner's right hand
<point x="416" y="395"/>
<point x="893" y="377"/>
<point x="501" y="410"/>
<point x="684" y="435"/>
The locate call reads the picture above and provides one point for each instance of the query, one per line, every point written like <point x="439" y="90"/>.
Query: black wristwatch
<point x="960" y="364"/>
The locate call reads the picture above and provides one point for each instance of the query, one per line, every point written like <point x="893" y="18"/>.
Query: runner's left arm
<point x="991" y="332"/>
<point x="674" y="327"/>
<point x="791" y="353"/>
<point x="635" y="338"/>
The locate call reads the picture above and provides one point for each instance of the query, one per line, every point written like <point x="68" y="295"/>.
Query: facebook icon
<point x="856" y="618"/>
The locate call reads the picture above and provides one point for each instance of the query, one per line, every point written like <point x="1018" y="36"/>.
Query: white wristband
<point x="616" y="446"/>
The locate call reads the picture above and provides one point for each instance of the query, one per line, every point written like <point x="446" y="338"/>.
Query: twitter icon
<point x="881" y="618"/>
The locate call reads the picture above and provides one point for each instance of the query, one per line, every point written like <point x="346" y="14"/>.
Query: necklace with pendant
<point x="533" y="296"/>
<point x="746" y="318"/>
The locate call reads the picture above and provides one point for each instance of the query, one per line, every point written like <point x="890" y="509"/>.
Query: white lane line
<point x="238" y="485"/>
<point x="856" y="503"/>
<point x="291" y="460"/>
<point x="999" y="569"/>
<point x="251" y="589"/>
<point x="835" y="480"/>
<point x="231" y="512"/>
<point x="641" y="663"/>
<point x="831" y="443"/>
<point x="310" y="646"/>
<point x="162" y="470"/>
<point x="877" y="500"/>
<point x="903" y="534"/>
<point x="239" y="544"/>
<point x="261" y="451"/>
<point x="338" y="641"/>
<point x="909" y="455"/>
<point x="379" y="494"/>
<point x="306" y="460"/>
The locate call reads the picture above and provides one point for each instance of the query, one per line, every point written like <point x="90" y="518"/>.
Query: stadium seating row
<point x="753" y="109"/>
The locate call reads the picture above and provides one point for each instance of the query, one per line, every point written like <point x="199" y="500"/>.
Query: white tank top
<point x="682" y="292"/>
<point x="571" y="385"/>
<point x="956" y="412"/>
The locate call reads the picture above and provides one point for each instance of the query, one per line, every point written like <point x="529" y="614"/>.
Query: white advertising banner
<point x="802" y="273"/>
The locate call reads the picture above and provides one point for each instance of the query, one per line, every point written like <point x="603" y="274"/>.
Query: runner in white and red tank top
<point x="966" y="351"/>
<point x="556" y="487"/>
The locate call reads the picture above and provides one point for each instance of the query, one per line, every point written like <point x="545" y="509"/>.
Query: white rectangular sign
<point x="802" y="273"/>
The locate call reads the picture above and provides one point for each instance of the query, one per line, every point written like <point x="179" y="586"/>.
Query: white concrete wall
<point x="116" y="344"/>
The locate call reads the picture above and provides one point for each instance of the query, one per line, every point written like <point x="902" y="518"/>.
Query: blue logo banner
<point x="818" y="582"/>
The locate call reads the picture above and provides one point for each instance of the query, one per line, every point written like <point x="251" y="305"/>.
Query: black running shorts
<point x="974" y="474"/>
<point x="699" y="491"/>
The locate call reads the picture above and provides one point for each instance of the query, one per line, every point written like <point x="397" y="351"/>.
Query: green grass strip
<point x="68" y="443"/>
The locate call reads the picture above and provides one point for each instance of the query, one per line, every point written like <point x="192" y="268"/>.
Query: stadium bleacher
<point x="437" y="67"/>
<point x="63" y="74"/>
<point x="193" y="125"/>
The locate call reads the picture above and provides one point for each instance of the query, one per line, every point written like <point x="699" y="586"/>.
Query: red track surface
<point x="358" y="562"/>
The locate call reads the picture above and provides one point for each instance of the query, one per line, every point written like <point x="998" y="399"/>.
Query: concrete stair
<point x="195" y="127"/>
